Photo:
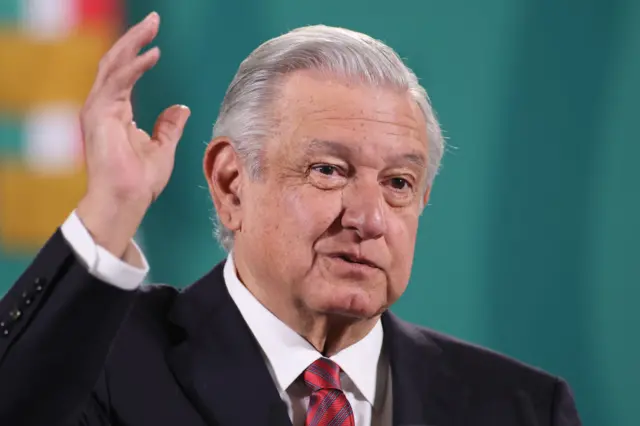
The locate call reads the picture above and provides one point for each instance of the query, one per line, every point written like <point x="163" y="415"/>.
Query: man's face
<point x="330" y="227"/>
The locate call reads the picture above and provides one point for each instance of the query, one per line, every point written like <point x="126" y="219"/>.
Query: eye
<point x="327" y="176"/>
<point x="325" y="169"/>
<point x="399" y="184"/>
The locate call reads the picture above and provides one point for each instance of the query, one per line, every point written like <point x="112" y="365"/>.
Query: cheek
<point x="309" y="212"/>
<point x="402" y="240"/>
<point x="298" y="215"/>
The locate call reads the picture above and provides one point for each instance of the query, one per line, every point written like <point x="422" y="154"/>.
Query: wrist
<point x="111" y="222"/>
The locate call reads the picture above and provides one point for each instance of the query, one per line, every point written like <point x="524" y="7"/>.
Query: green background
<point x="529" y="245"/>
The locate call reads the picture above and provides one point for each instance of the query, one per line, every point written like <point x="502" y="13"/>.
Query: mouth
<point x="354" y="260"/>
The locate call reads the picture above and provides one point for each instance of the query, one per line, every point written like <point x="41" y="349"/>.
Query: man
<point x="322" y="160"/>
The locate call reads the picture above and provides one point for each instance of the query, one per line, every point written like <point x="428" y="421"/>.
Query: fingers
<point x="128" y="46"/>
<point x="121" y="66"/>
<point x="170" y="125"/>
<point x="137" y="136"/>
<point x="120" y="84"/>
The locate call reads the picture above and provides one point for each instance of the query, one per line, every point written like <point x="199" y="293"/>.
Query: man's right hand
<point x="126" y="168"/>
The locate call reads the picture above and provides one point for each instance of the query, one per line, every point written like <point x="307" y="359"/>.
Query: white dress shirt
<point x="365" y="376"/>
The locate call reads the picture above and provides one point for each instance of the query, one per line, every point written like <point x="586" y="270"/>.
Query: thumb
<point x="170" y="124"/>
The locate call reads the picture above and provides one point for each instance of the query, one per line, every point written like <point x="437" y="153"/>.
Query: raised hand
<point x="126" y="168"/>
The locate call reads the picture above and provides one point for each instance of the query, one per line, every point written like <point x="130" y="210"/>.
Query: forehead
<point x="314" y="106"/>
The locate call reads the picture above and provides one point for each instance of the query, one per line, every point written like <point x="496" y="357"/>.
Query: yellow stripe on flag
<point x="33" y="205"/>
<point x="36" y="71"/>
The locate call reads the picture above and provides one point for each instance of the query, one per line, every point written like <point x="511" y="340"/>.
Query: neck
<point x="331" y="333"/>
<point x="328" y="333"/>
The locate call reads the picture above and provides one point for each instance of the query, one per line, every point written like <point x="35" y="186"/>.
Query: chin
<point x="356" y="305"/>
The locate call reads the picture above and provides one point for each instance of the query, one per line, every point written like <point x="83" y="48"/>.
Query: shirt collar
<point x="289" y="354"/>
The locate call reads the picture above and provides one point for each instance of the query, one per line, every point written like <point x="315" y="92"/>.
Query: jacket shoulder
<point x="488" y="369"/>
<point x="499" y="386"/>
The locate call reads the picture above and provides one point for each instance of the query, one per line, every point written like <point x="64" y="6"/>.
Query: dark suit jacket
<point x="77" y="351"/>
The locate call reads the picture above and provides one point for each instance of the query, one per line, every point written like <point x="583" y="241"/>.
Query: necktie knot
<point x="328" y="405"/>
<point x="322" y="374"/>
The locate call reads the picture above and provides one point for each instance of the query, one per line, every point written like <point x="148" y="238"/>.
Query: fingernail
<point x="185" y="111"/>
<point x="151" y="17"/>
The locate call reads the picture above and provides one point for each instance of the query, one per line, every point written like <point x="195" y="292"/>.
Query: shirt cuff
<point x="100" y="263"/>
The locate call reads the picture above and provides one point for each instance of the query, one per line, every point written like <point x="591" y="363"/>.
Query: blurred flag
<point x="49" y="52"/>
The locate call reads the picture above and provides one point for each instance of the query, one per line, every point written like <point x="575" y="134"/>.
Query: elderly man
<point x="322" y="160"/>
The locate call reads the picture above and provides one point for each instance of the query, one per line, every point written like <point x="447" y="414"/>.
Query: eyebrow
<point x="329" y="147"/>
<point x="343" y="150"/>
<point x="415" y="158"/>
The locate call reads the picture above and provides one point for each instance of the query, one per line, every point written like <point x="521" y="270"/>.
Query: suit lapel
<point x="219" y="364"/>
<point x="425" y="389"/>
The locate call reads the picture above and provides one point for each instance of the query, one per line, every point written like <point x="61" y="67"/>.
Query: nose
<point x="364" y="210"/>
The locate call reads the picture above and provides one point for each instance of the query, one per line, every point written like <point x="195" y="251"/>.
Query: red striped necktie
<point x="328" y="405"/>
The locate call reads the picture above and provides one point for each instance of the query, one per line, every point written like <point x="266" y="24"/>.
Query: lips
<point x="355" y="259"/>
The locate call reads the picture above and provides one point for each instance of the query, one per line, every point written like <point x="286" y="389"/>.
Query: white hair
<point x="243" y="116"/>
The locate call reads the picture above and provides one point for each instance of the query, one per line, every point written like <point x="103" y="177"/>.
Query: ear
<point x="223" y="170"/>
<point x="425" y="199"/>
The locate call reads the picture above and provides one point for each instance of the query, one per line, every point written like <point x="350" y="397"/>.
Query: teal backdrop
<point x="530" y="243"/>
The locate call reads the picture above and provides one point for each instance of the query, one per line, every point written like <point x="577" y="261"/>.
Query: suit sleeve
<point x="57" y="324"/>
<point x="564" y="411"/>
<point x="100" y="263"/>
